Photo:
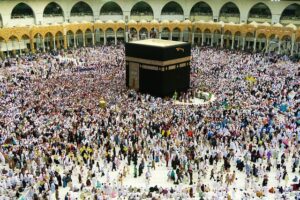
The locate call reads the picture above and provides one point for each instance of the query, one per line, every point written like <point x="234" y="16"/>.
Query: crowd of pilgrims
<point x="70" y="129"/>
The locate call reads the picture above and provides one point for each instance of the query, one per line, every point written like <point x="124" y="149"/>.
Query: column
<point x="126" y="36"/>
<point x="222" y="41"/>
<point x="293" y="44"/>
<point x="20" y="51"/>
<point x="227" y="42"/>
<point x="75" y="42"/>
<point x="171" y="35"/>
<point x="13" y="47"/>
<point x="116" y="40"/>
<point x="212" y="40"/>
<point x="58" y="43"/>
<point x="292" y="48"/>
<point x="43" y="41"/>
<point x="159" y="35"/>
<point x="202" y="43"/>
<point x="279" y="47"/>
<point x="83" y="36"/>
<point x="66" y="42"/>
<point x="254" y="45"/>
<point x="104" y="33"/>
<point x="232" y="42"/>
<point x="181" y="36"/>
<point x="193" y="37"/>
<point x="93" y="38"/>
<point x="148" y="34"/>
<point x="267" y="45"/>
<point x="32" y="45"/>
<point x="54" y="44"/>
<point x="238" y="42"/>
<point x="244" y="39"/>
<point x="7" y="54"/>
<point x="138" y="35"/>
<point x="260" y="45"/>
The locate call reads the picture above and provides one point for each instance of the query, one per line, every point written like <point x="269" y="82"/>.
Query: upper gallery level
<point x="41" y="12"/>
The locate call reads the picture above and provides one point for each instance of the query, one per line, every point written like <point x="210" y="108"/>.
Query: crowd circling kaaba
<point x="70" y="129"/>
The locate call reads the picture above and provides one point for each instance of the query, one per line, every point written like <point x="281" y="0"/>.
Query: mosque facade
<point x="238" y="24"/>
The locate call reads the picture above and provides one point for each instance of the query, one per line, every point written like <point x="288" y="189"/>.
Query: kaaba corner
<point x="158" y="67"/>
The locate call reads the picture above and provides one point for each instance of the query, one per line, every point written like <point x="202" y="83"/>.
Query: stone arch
<point x="111" y="8"/>
<point x="172" y="8"/>
<point x="186" y="35"/>
<point x="198" y="36"/>
<point x="13" y="37"/>
<point x="201" y="10"/>
<point x="81" y="9"/>
<point x="110" y="35"/>
<point x="165" y="33"/>
<point x="217" y="37"/>
<point x="260" y="12"/>
<point x="22" y="10"/>
<point x="237" y="40"/>
<point x="286" y="44"/>
<point x="286" y="37"/>
<point x="12" y="44"/>
<point x="229" y="12"/>
<point x="274" y="42"/>
<point x="59" y="40"/>
<point x="79" y="36"/>
<point x="141" y="8"/>
<point x="53" y="9"/>
<point x="291" y="14"/>
<point x="227" y="38"/>
<point x="261" y="42"/>
<point x="38" y="41"/>
<point x="133" y="33"/>
<point x="143" y="33"/>
<point x="207" y="37"/>
<point x="25" y="42"/>
<point x="120" y="35"/>
<point x="88" y="37"/>
<point x="153" y="33"/>
<point x="141" y="11"/>
<point x="99" y="36"/>
<point x="176" y="33"/>
<point x="25" y="37"/>
<point x="70" y="38"/>
<point x="48" y="40"/>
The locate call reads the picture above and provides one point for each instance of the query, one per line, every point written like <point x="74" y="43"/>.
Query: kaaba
<point x="158" y="67"/>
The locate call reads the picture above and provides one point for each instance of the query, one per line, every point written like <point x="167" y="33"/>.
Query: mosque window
<point x="202" y="9"/>
<point x="260" y="10"/>
<point x="53" y="9"/>
<point x="292" y="12"/>
<point x="111" y="8"/>
<point x="22" y="10"/>
<point x="141" y="8"/>
<point x="81" y="9"/>
<point x="230" y="10"/>
<point x="172" y="8"/>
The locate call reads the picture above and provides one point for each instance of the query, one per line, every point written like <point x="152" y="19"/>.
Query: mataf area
<point x="76" y="122"/>
<point x="59" y="141"/>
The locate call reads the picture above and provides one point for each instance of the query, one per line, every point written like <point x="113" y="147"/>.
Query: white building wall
<point x="126" y="5"/>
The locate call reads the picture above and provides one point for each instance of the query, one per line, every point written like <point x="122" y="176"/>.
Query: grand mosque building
<point x="252" y="25"/>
